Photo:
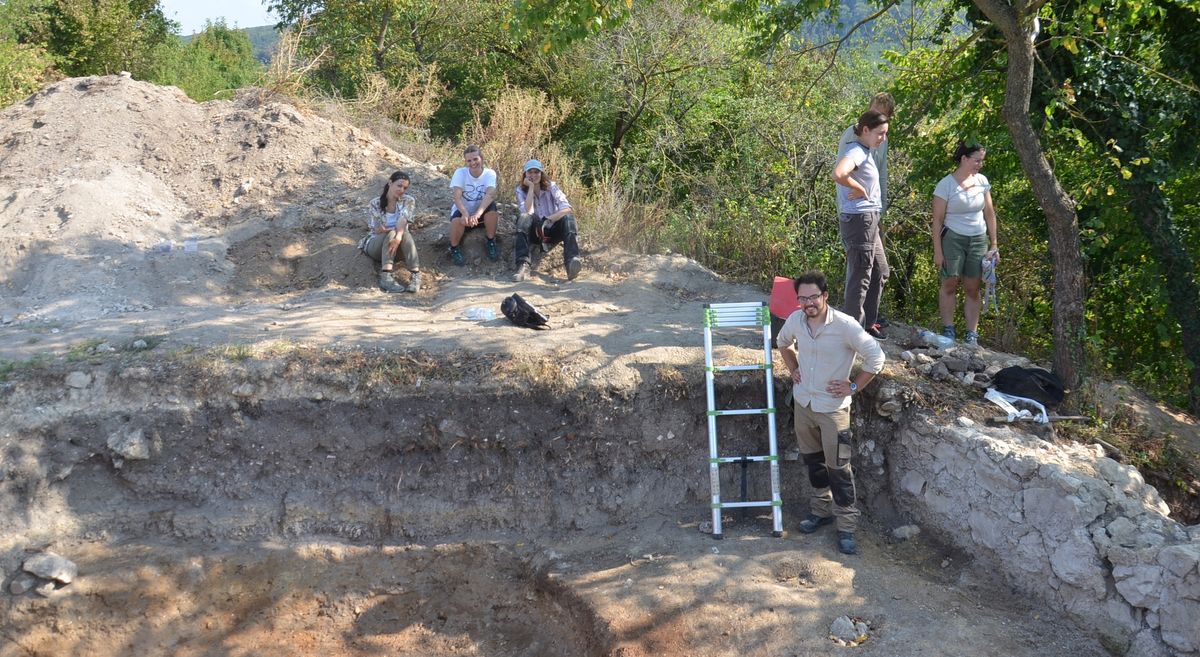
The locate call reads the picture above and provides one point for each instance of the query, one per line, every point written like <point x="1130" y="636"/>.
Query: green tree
<point x="98" y="37"/>
<point x="1014" y="22"/>
<point x="218" y="59"/>
<point x="1126" y="77"/>
<point x="23" y="64"/>
<point x="657" y="66"/>
<point x="466" y="39"/>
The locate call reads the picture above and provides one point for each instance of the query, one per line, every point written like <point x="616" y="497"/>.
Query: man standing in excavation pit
<point x="818" y="345"/>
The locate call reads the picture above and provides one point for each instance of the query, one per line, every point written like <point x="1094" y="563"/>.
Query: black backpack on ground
<point x="522" y="313"/>
<point x="1031" y="383"/>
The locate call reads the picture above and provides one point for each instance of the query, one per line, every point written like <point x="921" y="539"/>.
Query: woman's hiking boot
<point x="387" y="283"/>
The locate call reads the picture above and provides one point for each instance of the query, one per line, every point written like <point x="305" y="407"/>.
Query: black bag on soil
<point x="522" y="313"/>
<point x="1032" y="383"/>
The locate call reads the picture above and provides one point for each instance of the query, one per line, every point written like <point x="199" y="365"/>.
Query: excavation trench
<point x="265" y="508"/>
<point x="411" y="520"/>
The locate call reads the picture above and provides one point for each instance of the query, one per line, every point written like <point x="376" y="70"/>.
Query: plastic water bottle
<point x="934" y="340"/>
<point x="479" y="314"/>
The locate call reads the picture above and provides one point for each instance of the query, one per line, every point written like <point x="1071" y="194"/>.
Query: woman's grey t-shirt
<point x="866" y="174"/>
<point x="879" y="154"/>
<point x="964" y="205"/>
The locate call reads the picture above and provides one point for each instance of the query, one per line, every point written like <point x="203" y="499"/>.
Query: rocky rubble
<point x="1062" y="522"/>
<point x="44" y="573"/>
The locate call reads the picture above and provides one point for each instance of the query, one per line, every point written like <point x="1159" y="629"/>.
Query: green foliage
<point x="558" y="24"/>
<point x="98" y="37"/>
<point x="264" y="39"/>
<point x="78" y="37"/>
<point x="23" y="65"/>
<point x="22" y="69"/>
<point x="1123" y="76"/>
<point x="466" y="39"/>
<point x="218" y="59"/>
<point x="1111" y="120"/>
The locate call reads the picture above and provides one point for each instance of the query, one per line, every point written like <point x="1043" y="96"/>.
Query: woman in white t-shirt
<point x="964" y="235"/>
<point x="388" y="239"/>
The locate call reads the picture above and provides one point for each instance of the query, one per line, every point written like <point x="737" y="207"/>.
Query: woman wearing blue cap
<point x="545" y="217"/>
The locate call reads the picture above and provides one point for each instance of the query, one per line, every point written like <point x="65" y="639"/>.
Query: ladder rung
<point x="735" y="305"/>
<point x="739" y="459"/>
<point x="739" y="368"/>
<point x="722" y="315"/>
<point x="726" y="319"/>
<point x="743" y="411"/>
<point x="745" y="505"/>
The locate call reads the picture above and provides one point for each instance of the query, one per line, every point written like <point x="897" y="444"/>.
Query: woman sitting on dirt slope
<point x="389" y="238"/>
<point x="546" y="217"/>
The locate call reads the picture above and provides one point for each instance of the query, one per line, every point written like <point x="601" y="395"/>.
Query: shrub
<point x="22" y="70"/>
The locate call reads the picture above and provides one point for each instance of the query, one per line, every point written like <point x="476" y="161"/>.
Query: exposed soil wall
<point x="178" y="451"/>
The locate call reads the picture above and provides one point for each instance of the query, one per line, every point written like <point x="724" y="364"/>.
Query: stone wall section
<point x="1062" y="522"/>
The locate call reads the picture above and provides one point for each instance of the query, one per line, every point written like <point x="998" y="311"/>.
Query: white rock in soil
<point x="48" y="565"/>
<point x="905" y="532"/>
<point x="131" y="445"/>
<point x="847" y="630"/>
<point x="79" y="380"/>
<point x="450" y="427"/>
<point x="890" y="407"/>
<point x="244" y="390"/>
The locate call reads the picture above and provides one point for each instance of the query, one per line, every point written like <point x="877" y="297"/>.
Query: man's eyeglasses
<point x="813" y="299"/>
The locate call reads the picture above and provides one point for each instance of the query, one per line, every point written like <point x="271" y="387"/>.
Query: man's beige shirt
<point x="827" y="354"/>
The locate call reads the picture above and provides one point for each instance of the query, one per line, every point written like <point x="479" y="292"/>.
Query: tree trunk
<point x="1179" y="272"/>
<point x="1065" y="248"/>
<point x="381" y="45"/>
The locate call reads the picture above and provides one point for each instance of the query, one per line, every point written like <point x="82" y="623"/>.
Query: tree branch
<point x="840" y="42"/>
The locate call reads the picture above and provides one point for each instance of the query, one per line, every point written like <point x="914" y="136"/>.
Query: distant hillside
<point x="263" y="39"/>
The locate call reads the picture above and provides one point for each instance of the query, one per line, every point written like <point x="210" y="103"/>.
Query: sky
<point x="191" y="14"/>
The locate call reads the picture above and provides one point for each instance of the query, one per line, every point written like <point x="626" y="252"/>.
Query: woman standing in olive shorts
<point x="964" y="235"/>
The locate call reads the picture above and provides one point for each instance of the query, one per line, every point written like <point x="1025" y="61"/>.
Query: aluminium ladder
<point x="733" y="315"/>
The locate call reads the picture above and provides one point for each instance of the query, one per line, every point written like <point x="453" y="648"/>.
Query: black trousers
<point x="562" y="231"/>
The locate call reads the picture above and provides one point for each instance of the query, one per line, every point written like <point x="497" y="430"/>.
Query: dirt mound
<point x="120" y="196"/>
